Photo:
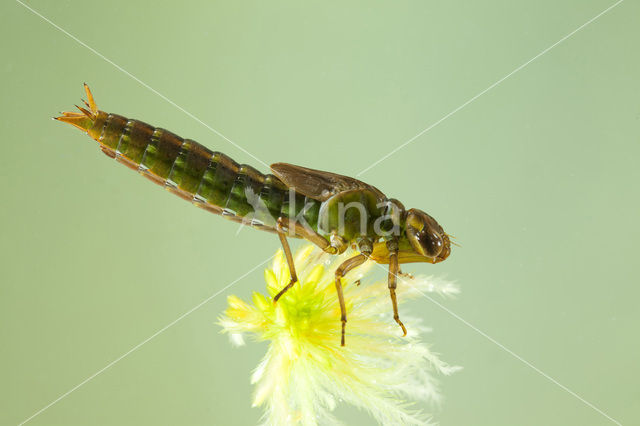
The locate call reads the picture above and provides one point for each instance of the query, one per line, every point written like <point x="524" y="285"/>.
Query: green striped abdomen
<point x="208" y="179"/>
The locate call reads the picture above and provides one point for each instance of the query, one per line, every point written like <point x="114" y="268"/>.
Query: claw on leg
<point x="283" y="291"/>
<point x="404" y="330"/>
<point x="395" y="312"/>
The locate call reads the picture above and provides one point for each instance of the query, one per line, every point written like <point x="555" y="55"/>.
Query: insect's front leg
<point x="392" y="246"/>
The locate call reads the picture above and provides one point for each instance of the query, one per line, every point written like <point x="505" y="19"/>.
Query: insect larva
<point x="294" y="201"/>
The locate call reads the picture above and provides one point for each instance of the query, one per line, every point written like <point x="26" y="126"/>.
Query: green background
<point x="538" y="180"/>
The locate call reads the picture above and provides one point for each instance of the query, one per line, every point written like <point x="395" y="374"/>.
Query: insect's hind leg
<point x="287" y="253"/>
<point x="393" y="281"/>
<point x="298" y="229"/>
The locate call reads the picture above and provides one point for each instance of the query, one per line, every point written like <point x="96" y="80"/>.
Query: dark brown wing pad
<point x="318" y="184"/>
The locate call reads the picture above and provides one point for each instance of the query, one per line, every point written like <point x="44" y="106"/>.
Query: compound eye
<point x="432" y="243"/>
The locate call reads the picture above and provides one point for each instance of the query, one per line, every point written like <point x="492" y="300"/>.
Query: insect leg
<point x="392" y="245"/>
<point x="343" y="269"/>
<point x="287" y="253"/>
<point x="307" y="234"/>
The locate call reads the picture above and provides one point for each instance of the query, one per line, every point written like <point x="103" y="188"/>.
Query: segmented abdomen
<point x="210" y="180"/>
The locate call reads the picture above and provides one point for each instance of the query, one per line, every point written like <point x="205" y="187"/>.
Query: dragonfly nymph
<point x="332" y="211"/>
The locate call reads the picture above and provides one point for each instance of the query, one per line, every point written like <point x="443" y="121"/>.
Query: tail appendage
<point x="84" y="119"/>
